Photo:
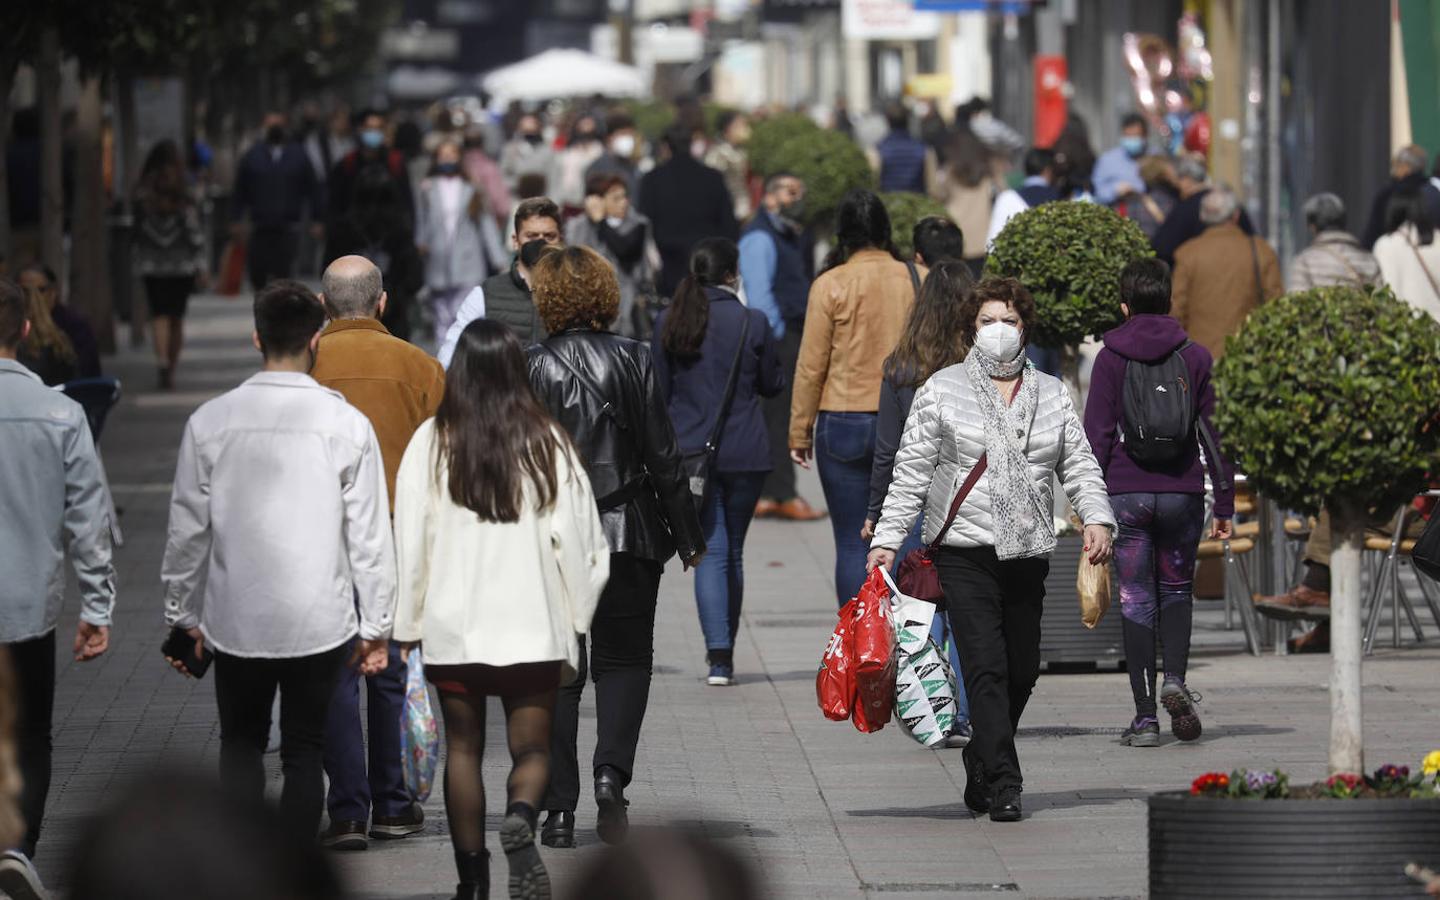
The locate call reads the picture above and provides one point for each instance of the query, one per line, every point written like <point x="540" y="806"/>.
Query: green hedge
<point x="768" y="135"/>
<point x="905" y="210"/>
<point x="831" y="164"/>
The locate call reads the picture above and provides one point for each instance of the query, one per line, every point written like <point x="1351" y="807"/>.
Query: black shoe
<point x="528" y="878"/>
<point x="977" y="796"/>
<point x="391" y="828"/>
<point x="613" y="821"/>
<point x="1006" y="807"/>
<point x="474" y="871"/>
<point x="558" y="830"/>
<point x="345" y="836"/>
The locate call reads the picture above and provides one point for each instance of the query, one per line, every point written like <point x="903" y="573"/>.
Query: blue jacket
<point x="902" y="163"/>
<point x="693" y="388"/>
<point x="775" y="265"/>
<point x="275" y="188"/>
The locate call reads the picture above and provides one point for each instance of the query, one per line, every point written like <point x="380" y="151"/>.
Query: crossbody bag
<point x="698" y="464"/>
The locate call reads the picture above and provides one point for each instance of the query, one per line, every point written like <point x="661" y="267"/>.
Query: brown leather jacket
<point x="855" y="316"/>
<point x="394" y="383"/>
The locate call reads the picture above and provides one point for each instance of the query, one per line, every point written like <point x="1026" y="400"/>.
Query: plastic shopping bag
<point x="874" y="655"/>
<point x="835" y="682"/>
<point x="419" y="738"/>
<point x="924" y="683"/>
<point x="1092" y="582"/>
<point x="232" y="268"/>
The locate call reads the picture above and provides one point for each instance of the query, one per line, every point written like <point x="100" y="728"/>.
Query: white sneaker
<point x="18" y="878"/>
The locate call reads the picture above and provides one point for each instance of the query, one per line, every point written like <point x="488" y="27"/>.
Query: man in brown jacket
<point x="397" y="386"/>
<point x="1222" y="275"/>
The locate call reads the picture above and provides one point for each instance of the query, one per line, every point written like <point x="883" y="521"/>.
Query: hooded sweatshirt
<point x="1149" y="339"/>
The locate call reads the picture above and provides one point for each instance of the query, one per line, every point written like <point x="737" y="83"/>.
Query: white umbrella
<point x="563" y="73"/>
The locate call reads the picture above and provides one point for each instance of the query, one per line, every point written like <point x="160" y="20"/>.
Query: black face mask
<point x="275" y="134"/>
<point x="447" y="169"/>
<point x="533" y="139"/>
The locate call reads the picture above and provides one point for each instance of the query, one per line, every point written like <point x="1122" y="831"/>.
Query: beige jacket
<point x="1216" y="285"/>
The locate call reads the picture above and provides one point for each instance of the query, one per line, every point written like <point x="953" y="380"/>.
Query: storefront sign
<point x="888" y="20"/>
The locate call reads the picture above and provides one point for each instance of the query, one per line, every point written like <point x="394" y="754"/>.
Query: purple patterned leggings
<point x="1155" y="561"/>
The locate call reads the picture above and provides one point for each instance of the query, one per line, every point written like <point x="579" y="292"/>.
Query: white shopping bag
<point x="924" y="683"/>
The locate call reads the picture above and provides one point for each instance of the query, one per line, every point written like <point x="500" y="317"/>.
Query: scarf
<point x="1022" y="522"/>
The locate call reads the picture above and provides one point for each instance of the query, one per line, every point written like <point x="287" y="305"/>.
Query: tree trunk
<point x="126" y="178"/>
<point x="1070" y="374"/>
<point x="52" y="190"/>
<point x="1346" y="735"/>
<point x="8" y="67"/>
<point x="90" y="269"/>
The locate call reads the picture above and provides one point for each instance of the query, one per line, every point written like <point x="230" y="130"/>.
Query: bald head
<point x="352" y="288"/>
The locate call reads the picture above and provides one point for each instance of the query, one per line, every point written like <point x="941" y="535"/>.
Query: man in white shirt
<point x="280" y="553"/>
<point x="1037" y="188"/>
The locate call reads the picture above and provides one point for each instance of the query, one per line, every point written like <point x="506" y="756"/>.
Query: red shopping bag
<point x="232" y="268"/>
<point x="875" y="660"/>
<point x="835" y="682"/>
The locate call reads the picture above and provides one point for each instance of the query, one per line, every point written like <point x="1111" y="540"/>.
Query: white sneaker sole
<point x="720" y="681"/>
<point x="20" y="882"/>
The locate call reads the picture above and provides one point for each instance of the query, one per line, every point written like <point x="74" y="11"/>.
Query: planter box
<point x="1202" y="847"/>
<point x="1064" y="641"/>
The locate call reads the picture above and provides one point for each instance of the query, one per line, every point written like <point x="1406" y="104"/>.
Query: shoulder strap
<point x="1259" y="282"/>
<point x="970" y="481"/>
<point x="1430" y="276"/>
<point x="712" y="441"/>
<point x="914" y="276"/>
<point x="1354" y="272"/>
<point x="607" y="409"/>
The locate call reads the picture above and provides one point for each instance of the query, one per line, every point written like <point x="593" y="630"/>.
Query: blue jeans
<point x="844" y="451"/>
<point x="353" y="792"/>
<point x="720" y="577"/>
<point x="939" y="627"/>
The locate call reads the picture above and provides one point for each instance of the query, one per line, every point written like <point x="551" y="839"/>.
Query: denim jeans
<point x="940" y="627"/>
<point x="720" y="577"/>
<point x="844" y="451"/>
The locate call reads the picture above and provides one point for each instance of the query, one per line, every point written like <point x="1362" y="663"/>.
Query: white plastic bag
<point x="924" y="683"/>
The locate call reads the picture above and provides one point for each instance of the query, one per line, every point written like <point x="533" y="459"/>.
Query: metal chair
<point x="1239" y="602"/>
<point x="1385" y="579"/>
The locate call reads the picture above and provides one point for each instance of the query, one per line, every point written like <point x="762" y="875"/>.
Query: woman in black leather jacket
<point x="601" y="388"/>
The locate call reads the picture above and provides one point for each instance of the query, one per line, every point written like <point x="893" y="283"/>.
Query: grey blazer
<point x="456" y="257"/>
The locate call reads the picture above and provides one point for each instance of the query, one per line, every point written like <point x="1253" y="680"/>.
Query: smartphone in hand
<point x="181" y="646"/>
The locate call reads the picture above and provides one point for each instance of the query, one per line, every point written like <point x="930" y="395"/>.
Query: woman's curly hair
<point x="1008" y="291"/>
<point x="575" y="288"/>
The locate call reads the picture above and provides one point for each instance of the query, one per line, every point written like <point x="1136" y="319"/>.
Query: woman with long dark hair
<point x="857" y="310"/>
<point x="169" y="249"/>
<point x="501" y="561"/>
<point x="601" y="388"/>
<point x="968" y="189"/>
<point x="703" y="336"/>
<point x="1408" y="254"/>
<point x="933" y="339"/>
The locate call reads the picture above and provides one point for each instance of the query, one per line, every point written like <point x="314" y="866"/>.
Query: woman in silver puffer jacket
<point x="997" y="410"/>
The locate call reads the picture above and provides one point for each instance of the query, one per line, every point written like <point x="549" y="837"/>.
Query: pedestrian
<point x="610" y="226"/>
<point x="456" y="236"/>
<point x="729" y="157"/>
<point x="1155" y="202"/>
<point x="1223" y="275"/>
<point x="933" y="339"/>
<point x="1407" y="170"/>
<point x="47" y="350"/>
<point x="686" y="201"/>
<point x="377" y="227"/>
<point x="1408" y="254"/>
<point x="501" y="559"/>
<point x="169" y="252"/>
<point x="1159" y="501"/>
<point x="583" y="147"/>
<point x="526" y="154"/>
<point x="1334" y="256"/>
<point x="901" y="160"/>
<point x="275" y="190"/>
<point x="505" y="296"/>
<point x="485" y="176"/>
<point x="329" y="143"/>
<point x="1117" y="172"/>
<point x="993" y="561"/>
<point x="1074" y="160"/>
<point x="936" y="239"/>
<point x="279" y="554"/>
<point x="714" y="362"/>
<point x="777" y="265"/>
<point x="397" y="386"/>
<point x="602" y="390"/>
<point x="968" y="189"/>
<point x="622" y="152"/>
<point x="42" y="290"/>
<point x="371" y="162"/>
<point x="1183" y="223"/>
<point x="1038" y="188"/>
<point x="54" y="503"/>
<point x="857" y="311"/>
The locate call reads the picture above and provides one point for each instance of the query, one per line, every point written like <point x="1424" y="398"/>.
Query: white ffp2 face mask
<point x="999" y="341"/>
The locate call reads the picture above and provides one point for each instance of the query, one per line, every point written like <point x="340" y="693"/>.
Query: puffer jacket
<point x="944" y="438"/>
<point x="1333" y="258"/>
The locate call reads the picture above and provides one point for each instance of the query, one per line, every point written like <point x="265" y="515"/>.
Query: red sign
<point x="1051" y="77"/>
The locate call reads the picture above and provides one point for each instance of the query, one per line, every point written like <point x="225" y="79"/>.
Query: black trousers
<point x="244" y="693"/>
<point x="34" y="665"/>
<point x="780" y="483"/>
<point x="994" y="610"/>
<point x="271" y="254"/>
<point x="621" y="655"/>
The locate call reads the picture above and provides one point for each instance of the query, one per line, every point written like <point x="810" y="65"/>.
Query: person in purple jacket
<point x="1160" y="506"/>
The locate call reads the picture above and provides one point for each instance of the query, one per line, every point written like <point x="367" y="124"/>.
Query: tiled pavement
<point x="823" y="810"/>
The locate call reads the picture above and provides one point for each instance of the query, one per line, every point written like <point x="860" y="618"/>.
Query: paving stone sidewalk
<point x="823" y="811"/>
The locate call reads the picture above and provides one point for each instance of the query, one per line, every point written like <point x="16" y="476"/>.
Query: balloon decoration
<point x="1171" y="85"/>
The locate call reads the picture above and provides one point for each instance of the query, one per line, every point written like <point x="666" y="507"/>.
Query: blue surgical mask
<point x="372" y="138"/>
<point x="1133" y="145"/>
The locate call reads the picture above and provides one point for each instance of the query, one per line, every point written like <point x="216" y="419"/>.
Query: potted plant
<point x="1254" y="834"/>
<point x="905" y="210"/>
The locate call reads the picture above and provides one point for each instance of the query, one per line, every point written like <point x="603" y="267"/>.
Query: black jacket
<point x="1183" y="223"/>
<point x="508" y="300"/>
<point x="1375" y="225"/>
<point x="275" y="192"/>
<point x="626" y="442"/>
<point x="686" y="200"/>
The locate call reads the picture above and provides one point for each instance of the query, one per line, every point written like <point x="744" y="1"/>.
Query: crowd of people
<point x="632" y="356"/>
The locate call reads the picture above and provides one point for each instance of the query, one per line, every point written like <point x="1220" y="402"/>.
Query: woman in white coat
<point x="1408" y="254"/>
<point x="501" y="562"/>
<point x="457" y="236"/>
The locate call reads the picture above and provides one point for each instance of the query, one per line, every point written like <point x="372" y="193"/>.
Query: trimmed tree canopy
<point x="905" y="210"/>
<point x="768" y="135"/>
<point x="1069" y="255"/>
<point x="1331" y="395"/>
<point x="830" y="164"/>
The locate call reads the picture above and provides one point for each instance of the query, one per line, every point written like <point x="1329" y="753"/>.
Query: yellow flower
<point x="1431" y="764"/>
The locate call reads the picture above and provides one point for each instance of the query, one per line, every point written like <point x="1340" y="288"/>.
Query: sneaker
<point x="959" y="736"/>
<point x="528" y="878"/>
<point x="392" y="828"/>
<point x="18" y="878"/>
<point x="1179" y="701"/>
<point x="1144" y="731"/>
<point x="344" y="836"/>
<point x="721" y="676"/>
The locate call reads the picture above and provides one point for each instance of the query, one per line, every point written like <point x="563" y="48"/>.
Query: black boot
<point x="559" y="829"/>
<point x="474" y="871"/>
<point x="977" y="792"/>
<point x="612" y="821"/>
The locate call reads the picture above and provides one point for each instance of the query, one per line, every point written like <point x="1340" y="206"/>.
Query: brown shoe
<point x="797" y="510"/>
<point x="1316" y="640"/>
<point x="766" y="508"/>
<point x="1300" y="603"/>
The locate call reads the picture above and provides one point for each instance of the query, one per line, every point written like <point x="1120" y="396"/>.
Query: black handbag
<point x="1426" y="555"/>
<point x="698" y="463"/>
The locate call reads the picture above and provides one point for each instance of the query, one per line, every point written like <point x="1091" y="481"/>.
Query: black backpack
<point x="1159" y="409"/>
